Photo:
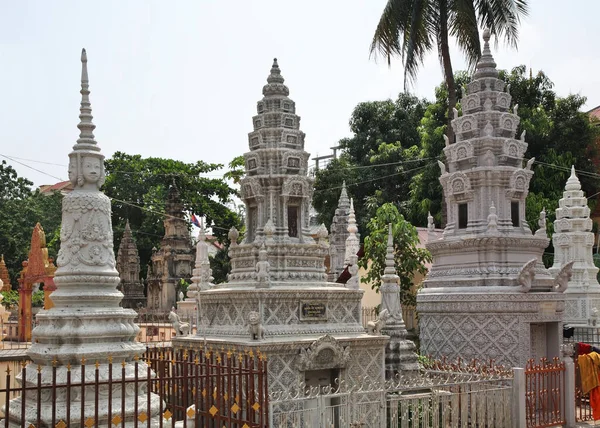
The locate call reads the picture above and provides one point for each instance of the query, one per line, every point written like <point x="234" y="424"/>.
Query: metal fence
<point x="441" y="395"/>
<point x="198" y="388"/>
<point x="545" y="393"/>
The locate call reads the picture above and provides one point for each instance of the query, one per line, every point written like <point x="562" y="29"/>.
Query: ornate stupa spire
<point x="344" y="202"/>
<point x="86" y="322"/>
<point x="487" y="256"/>
<point x="352" y="241"/>
<point x="128" y="266"/>
<point x="399" y="353"/>
<point x="573" y="240"/>
<point x="277" y="192"/>
<point x="486" y="66"/>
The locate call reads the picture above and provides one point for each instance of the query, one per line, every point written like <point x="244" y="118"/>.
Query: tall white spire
<point x="352" y="241"/>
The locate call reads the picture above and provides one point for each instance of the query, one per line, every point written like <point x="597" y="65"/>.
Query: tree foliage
<point x="20" y="210"/>
<point x="377" y="162"/>
<point x="139" y="188"/>
<point x="409" y="258"/>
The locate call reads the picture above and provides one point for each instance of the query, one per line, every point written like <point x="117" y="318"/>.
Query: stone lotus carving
<point x="255" y="328"/>
<point x="181" y="328"/>
<point x="561" y="282"/>
<point x="323" y="353"/>
<point x="526" y="276"/>
<point x="375" y="327"/>
<point x="251" y="187"/>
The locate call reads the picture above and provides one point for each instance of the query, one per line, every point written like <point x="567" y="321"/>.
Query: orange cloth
<point x="595" y="403"/>
<point x="588" y="370"/>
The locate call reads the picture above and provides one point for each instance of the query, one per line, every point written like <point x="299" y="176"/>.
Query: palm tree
<point x="412" y="28"/>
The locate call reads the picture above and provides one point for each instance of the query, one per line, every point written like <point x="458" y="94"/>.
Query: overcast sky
<point x="180" y="79"/>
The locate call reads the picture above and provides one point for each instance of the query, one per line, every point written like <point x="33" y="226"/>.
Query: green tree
<point x="408" y="257"/>
<point x="139" y="188"/>
<point x="377" y="162"/>
<point x="410" y="29"/>
<point x="20" y="210"/>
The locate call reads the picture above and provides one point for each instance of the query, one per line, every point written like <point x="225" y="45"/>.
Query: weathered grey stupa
<point x="487" y="294"/>
<point x="174" y="259"/>
<point x="86" y="321"/>
<point x="573" y="241"/>
<point x="128" y="266"/>
<point x="277" y="298"/>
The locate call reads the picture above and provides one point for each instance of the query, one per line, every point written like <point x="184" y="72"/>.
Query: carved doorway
<point x="327" y="405"/>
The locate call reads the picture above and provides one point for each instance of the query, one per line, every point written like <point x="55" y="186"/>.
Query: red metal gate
<point x="545" y="393"/>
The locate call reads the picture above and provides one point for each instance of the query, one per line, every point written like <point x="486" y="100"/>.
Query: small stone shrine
<point x="128" y="266"/>
<point x="86" y="322"/>
<point x="488" y="294"/>
<point x="174" y="260"/>
<point x="573" y="242"/>
<point x="277" y="300"/>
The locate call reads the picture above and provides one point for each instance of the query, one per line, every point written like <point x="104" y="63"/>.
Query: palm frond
<point x="390" y="29"/>
<point x="417" y="39"/>
<point x="502" y="17"/>
<point x="462" y="23"/>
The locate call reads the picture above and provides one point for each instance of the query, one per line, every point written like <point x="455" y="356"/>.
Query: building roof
<point x="62" y="186"/>
<point x="595" y="112"/>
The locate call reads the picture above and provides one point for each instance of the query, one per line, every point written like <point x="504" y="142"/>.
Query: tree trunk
<point x="449" y="77"/>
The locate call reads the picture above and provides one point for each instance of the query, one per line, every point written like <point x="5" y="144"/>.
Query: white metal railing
<point x="430" y="400"/>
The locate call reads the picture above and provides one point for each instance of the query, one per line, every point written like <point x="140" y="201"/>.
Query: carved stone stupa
<point x="86" y="321"/>
<point x="277" y="299"/>
<point x="128" y="266"/>
<point x="174" y="260"/>
<point x="573" y="241"/>
<point x="488" y="294"/>
<point x="337" y="237"/>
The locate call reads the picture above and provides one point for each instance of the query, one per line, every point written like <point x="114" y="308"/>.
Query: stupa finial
<point x="390" y="269"/>
<point x="486" y="66"/>
<point x="275" y="76"/>
<point x="573" y="182"/>
<point x="344" y="201"/>
<point x="86" y="166"/>
<point x="86" y="127"/>
<point x="275" y="81"/>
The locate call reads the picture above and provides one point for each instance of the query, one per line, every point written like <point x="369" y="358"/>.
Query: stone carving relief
<point x="375" y="327"/>
<point x="181" y="328"/>
<point x="462" y="150"/>
<point x="295" y="187"/>
<point x="251" y="188"/>
<point x="262" y="268"/>
<point x="324" y="353"/>
<point x="561" y="282"/>
<point x="513" y="149"/>
<point x="459" y="183"/>
<point x="471" y="102"/>
<point x="503" y="100"/>
<point x="255" y="328"/>
<point x="526" y="276"/>
<point x="519" y="182"/>
<point x="509" y="122"/>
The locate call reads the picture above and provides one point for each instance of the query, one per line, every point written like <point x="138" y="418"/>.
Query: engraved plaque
<point x="313" y="311"/>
